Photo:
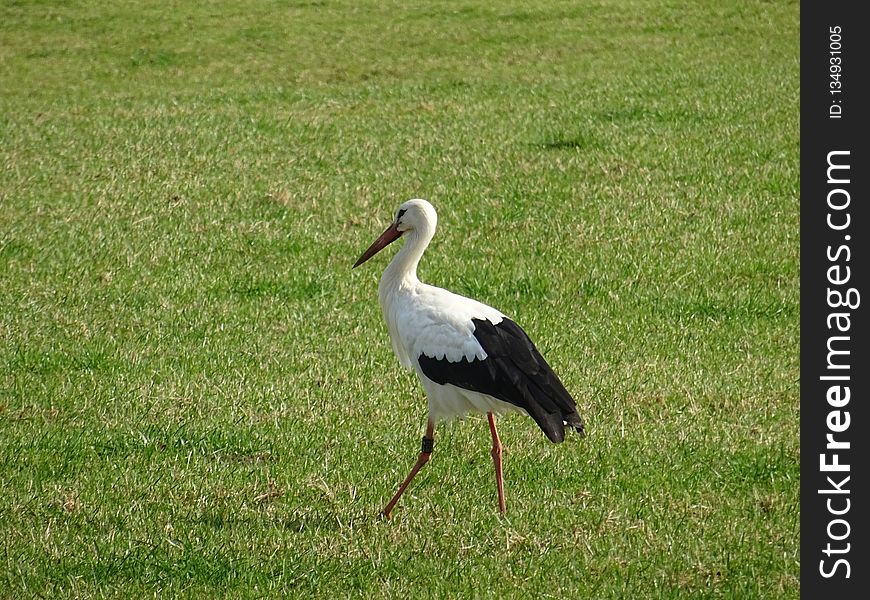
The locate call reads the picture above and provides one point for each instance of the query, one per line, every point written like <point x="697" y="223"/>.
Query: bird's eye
<point x="399" y="214"/>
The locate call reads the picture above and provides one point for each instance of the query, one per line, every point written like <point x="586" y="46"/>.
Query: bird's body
<point x="427" y="322"/>
<point x="469" y="357"/>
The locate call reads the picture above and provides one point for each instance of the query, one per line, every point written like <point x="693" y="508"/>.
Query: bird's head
<point x="412" y="216"/>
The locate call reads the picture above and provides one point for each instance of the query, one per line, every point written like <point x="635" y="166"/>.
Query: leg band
<point x="428" y="445"/>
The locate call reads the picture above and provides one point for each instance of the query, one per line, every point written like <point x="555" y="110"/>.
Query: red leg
<point x="422" y="460"/>
<point x="496" y="460"/>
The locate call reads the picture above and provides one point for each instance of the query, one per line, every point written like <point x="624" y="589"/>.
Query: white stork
<point x="470" y="357"/>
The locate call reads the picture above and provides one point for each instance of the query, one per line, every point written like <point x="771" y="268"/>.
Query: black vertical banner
<point x="835" y="364"/>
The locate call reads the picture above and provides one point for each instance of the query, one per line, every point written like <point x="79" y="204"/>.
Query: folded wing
<point x="512" y="371"/>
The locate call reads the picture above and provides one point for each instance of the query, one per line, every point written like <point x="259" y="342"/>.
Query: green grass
<point x="198" y="396"/>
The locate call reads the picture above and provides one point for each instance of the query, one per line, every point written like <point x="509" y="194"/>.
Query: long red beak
<point x="387" y="237"/>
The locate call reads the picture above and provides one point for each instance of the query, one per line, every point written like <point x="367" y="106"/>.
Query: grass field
<point x="198" y="396"/>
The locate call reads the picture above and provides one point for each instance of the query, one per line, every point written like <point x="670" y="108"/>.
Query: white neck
<point x="402" y="270"/>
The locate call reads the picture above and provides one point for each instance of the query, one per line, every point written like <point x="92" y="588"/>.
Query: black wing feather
<point x="514" y="372"/>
